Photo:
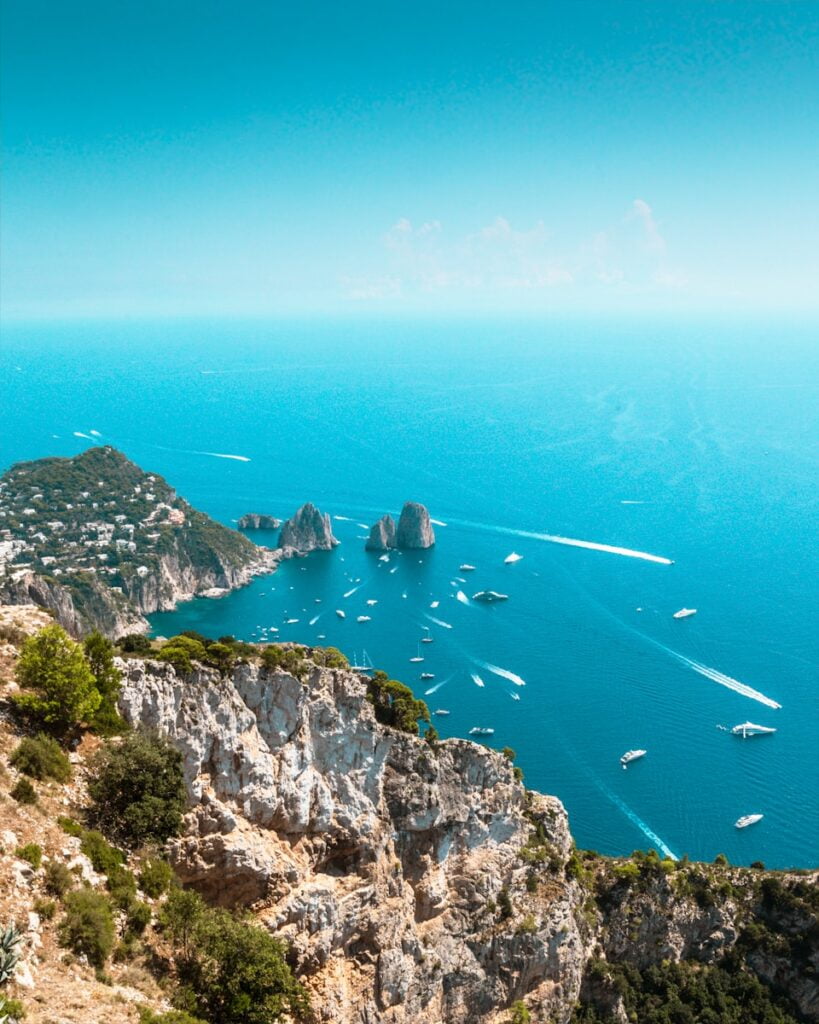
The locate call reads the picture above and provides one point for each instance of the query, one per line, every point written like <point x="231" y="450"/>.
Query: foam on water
<point x="438" y="622"/>
<point x="461" y="596"/>
<point x="476" y="679"/>
<point x="513" y="677"/>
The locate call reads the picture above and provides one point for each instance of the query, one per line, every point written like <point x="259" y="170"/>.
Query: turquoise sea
<point x="695" y="442"/>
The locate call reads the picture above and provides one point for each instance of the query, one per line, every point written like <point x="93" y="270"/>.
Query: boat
<point x="290" y="622"/>
<point x="685" y="613"/>
<point x="364" y="618"/>
<point x="366" y="663"/>
<point x="748" y="819"/>
<point x="418" y="657"/>
<point x="466" y="568"/>
<point x="481" y="730"/>
<point x="372" y="601"/>
<point x="514" y="557"/>
<point x="489" y="596"/>
<point x="440" y="711"/>
<point x="340" y="613"/>
<point x="750" y="729"/>
<point x="427" y="640"/>
<point x="631" y="755"/>
<point x="435" y="604"/>
<point x="427" y="675"/>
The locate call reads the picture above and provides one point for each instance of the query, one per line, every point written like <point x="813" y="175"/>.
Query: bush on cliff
<point x="137" y="790"/>
<point x="40" y="757"/>
<point x="88" y="925"/>
<point x="288" y="659"/>
<point x="395" y="704"/>
<point x="63" y="690"/>
<point x="181" y="651"/>
<point x="99" y="653"/>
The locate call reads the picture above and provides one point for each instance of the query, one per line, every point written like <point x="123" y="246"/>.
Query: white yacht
<point x="440" y="711"/>
<point x="631" y="755"/>
<point x="364" y="618"/>
<point x="340" y="613"/>
<point x="685" y="613"/>
<point x="750" y="729"/>
<point x="514" y="557"/>
<point x="747" y="819"/>
<point x="489" y="596"/>
<point x="427" y="675"/>
<point x="466" y="568"/>
<point x="418" y="657"/>
<point x="480" y="730"/>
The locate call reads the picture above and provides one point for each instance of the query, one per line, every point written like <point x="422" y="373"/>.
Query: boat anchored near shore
<point x="631" y="755"/>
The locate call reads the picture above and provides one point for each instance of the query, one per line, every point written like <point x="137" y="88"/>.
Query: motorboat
<point x="481" y="730"/>
<point x="750" y="729"/>
<point x="364" y="618"/>
<point x="441" y="711"/>
<point x="340" y="613"/>
<point x="748" y="819"/>
<point x="489" y="596"/>
<point x="632" y="755"/>
<point x="427" y="675"/>
<point x="685" y="613"/>
<point x="514" y="557"/>
<point x="466" y="568"/>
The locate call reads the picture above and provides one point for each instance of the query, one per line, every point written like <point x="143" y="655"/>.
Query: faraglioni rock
<point x="308" y="530"/>
<point x="255" y="521"/>
<point x="382" y="535"/>
<point x="414" y="527"/>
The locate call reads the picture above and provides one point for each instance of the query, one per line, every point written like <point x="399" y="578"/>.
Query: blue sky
<point x="203" y="158"/>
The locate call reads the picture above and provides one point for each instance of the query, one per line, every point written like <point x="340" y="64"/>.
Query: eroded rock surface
<point x="308" y="530"/>
<point x="414" y="527"/>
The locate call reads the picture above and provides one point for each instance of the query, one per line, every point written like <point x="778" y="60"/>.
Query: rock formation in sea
<point x="308" y="530"/>
<point x="102" y="543"/>
<point x="414" y="527"/>
<point x="382" y="535"/>
<point x="255" y="521"/>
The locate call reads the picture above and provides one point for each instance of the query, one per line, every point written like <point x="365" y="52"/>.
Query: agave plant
<point x="10" y="938"/>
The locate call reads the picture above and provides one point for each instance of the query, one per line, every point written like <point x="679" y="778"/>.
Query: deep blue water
<point x="711" y="428"/>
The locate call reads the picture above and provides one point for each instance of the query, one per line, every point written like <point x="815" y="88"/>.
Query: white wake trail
<point x="314" y="620"/>
<point x="476" y="679"/>
<point x="715" y="675"/>
<point x="350" y="593"/>
<point x="503" y="672"/>
<point x="221" y="455"/>
<point x="645" y="829"/>
<point x="79" y="433"/>
<point x="438" y="622"/>
<point x="461" y="596"/>
<point x="437" y="686"/>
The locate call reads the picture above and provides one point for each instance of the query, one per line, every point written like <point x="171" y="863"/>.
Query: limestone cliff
<point x="308" y="530"/>
<point x="414" y="527"/>
<point x="423" y="883"/>
<point x="382" y="535"/>
<point x="255" y="521"/>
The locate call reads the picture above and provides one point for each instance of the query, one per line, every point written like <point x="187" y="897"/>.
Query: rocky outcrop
<point x="382" y="535"/>
<point x="414" y="527"/>
<point x="381" y="859"/>
<point x="308" y="530"/>
<point x="255" y="521"/>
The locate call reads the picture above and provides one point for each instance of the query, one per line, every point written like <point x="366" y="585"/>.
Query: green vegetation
<point x="58" y="879"/>
<point x="46" y="909"/>
<point x="99" y="653"/>
<point x="62" y="691"/>
<point x="147" y="1016"/>
<point x="685" y="993"/>
<point x="88" y="925"/>
<point x="395" y="704"/>
<point x="155" y="877"/>
<point x="137" y="790"/>
<point x="287" y="659"/>
<point x="134" y="643"/>
<point x="41" y="758"/>
<point x="11" y="1010"/>
<point x="104" y="857"/>
<point x="10" y="939"/>
<point x="32" y="853"/>
<point x="231" y="971"/>
<point x="518" y="1013"/>
<point x="23" y="792"/>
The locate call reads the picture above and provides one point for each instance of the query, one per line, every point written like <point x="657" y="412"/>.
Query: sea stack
<point x="308" y="530"/>
<point x="254" y="521"/>
<point x="414" y="527"/>
<point x="382" y="535"/>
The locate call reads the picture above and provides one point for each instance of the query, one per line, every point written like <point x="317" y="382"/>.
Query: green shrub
<point x="137" y="790"/>
<point x="288" y="659"/>
<point x="104" y="858"/>
<point x="238" y="974"/>
<point x="147" y="1016"/>
<point x="221" y="657"/>
<point x="505" y="903"/>
<point x="23" y="792"/>
<point x="138" y="917"/>
<point x="181" y="651"/>
<point x="11" y="1010"/>
<point x="155" y="877"/>
<point x="88" y="925"/>
<point x="53" y="666"/>
<point x="45" y="908"/>
<point x="528" y="926"/>
<point x="509" y="753"/>
<point x="122" y="886"/>
<point x="518" y="1014"/>
<point x="99" y="653"/>
<point x="395" y="704"/>
<point x="31" y="852"/>
<point x="330" y="657"/>
<point x="180" y="917"/>
<point x="69" y="826"/>
<point x="134" y="643"/>
<point x="58" y="879"/>
<point x="41" y="758"/>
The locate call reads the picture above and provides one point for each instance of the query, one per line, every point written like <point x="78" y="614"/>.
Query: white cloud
<point x="653" y="239"/>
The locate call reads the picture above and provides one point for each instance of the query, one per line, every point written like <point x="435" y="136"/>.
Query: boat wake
<point x="79" y="433"/>
<point x="718" y="677"/>
<point x="437" y="686"/>
<point x="349" y="593"/>
<point x="648" y="832"/>
<point x="504" y="673"/>
<point x="221" y="455"/>
<point x="476" y="679"/>
<point x="314" y="620"/>
<point x="438" y="622"/>
<point x="461" y="596"/>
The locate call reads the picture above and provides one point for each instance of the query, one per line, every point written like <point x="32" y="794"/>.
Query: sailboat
<point x="426" y="638"/>
<point x="366" y="663"/>
<point x="418" y="658"/>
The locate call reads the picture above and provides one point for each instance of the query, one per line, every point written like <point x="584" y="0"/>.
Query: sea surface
<point x="693" y="442"/>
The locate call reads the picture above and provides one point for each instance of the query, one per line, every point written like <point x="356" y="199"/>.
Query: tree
<point x="53" y="666"/>
<point x="88" y="925"/>
<point x="237" y="974"/>
<point x="137" y="790"/>
<point x="99" y="653"/>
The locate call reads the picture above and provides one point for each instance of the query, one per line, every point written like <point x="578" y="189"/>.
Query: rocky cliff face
<point x="255" y="521"/>
<point x="308" y="530"/>
<point x="414" y="527"/>
<point x="382" y="535"/>
<point x="380" y="858"/>
<point x="421" y="883"/>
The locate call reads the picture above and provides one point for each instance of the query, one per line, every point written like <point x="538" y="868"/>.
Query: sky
<point x="249" y="158"/>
